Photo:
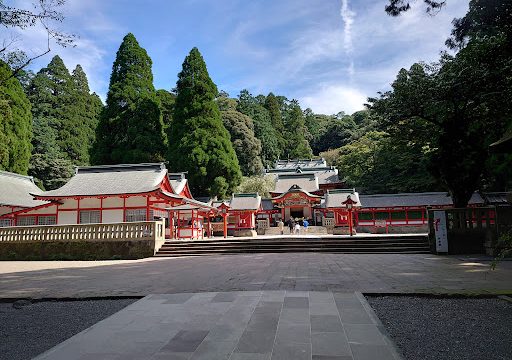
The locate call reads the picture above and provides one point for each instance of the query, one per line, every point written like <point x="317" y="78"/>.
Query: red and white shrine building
<point x="15" y="196"/>
<point x="303" y="189"/>
<point x="113" y="194"/>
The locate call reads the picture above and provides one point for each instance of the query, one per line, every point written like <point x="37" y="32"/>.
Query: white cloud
<point x="331" y="99"/>
<point x="347" y="16"/>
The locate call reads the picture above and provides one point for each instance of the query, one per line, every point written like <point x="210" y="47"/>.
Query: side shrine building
<point x="303" y="189"/>
<point x="108" y="194"/>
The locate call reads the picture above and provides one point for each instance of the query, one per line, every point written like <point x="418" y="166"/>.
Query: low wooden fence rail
<point x="147" y="230"/>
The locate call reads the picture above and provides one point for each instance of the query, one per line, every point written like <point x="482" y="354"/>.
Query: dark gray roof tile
<point x="245" y="202"/>
<point x="16" y="190"/>
<point x="413" y="199"/>
<point x="306" y="181"/>
<point x="111" y="180"/>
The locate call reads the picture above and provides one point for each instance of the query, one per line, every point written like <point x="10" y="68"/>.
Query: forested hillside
<point x="430" y="131"/>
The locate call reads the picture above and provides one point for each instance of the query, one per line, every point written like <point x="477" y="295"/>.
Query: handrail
<point x="144" y="230"/>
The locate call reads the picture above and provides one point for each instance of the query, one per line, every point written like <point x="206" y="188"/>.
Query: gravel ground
<point x="28" y="329"/>
<point x="447" y="328"/>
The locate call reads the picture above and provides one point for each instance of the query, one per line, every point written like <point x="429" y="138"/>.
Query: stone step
<point x="305" y="242"/>
<point x="280" y="244"/>
<point x="296" y="250"/>
<point x="296" y="244"/>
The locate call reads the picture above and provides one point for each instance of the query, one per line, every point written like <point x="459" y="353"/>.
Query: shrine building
<point x="303" y="189"/>
<point x="108" y="194"/>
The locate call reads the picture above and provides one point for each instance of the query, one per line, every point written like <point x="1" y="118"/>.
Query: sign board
<point x="440" y="231"/>
<point x="380" y="223"/>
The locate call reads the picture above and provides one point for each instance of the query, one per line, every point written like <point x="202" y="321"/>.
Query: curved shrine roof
<point x="16" y="190"/>
<point x="111" y="180"/>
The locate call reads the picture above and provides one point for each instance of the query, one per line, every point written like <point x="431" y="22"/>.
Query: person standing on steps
<point x="297" y="228"/>
<point x="305" y="223"/>
<point x="291" y="225"/>
<point x="280" y="225"/>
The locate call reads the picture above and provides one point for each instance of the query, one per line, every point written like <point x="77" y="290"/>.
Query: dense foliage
<point x="15" y="124"/>
<point x="199" y="142"/>
<point x="246" y="145"/>
<point x="458" y="106"/>
<point x="263" y="129"/>
<point x="262" y="184"/>
<point x="297" y="146"/>
<point x="131" y="128"/>
<point x="65" y="118"/>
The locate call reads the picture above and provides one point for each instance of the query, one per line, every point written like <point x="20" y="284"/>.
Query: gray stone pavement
<point x="256" y="325"/>
<point x="291" y="271"/>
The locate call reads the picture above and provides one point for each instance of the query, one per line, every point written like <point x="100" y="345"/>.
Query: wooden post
<point x="225" y="227"/>
<point x="202" y="225"/>
<point x="192" y="224"/>
<point x="147" y="209"/>
<point x="78" y="211"/>
<point x="208" y="226"/>
<point x="350" y="221"/>
<point x="171" y="224"/>
<point x="178" y="229"/>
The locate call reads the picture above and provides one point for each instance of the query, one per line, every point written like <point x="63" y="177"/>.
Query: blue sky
<point x="329" y="54"/>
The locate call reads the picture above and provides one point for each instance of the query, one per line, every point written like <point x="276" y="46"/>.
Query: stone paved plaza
<point x="262" y="306"/>
<point x="245" y="325"/>
<point x="290" y="271"/>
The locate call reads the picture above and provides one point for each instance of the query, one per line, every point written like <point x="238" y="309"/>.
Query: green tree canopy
<point x="297" y="146"/>
<point x="167" y="101"/>
<point x="261" y="184"/>
<point x="263" y="129"/>
<point x="15" y="124"/>
<point x="200" y="144"/>
<point x="131" y="128"/>
<point x="86" y="108"/>
<point x="245" y="143"/>
<point x="65" y="119"/>
<point x="337" y="133"/>
<point x="457" y="108"/>
<point x="63" y="102"/>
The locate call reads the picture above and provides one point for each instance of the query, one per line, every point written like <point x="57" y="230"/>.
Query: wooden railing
<point x="147" y="230"/>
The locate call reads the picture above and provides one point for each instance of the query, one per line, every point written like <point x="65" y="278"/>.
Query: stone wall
<point x="77" y="250"/>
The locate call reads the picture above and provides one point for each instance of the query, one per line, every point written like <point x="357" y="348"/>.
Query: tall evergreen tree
<point x="296" y="144"/>
<point x="65" y="118"/>
<point x="86" y="110"/>
<point x="131" y="127"/>
<point x="56" y="102"/>
<point x="274" y="109"/>
<point x="272" y="105"/>
<point x="167" y="101"/>
<point x="245" y="143"/>
<point x="199" y="142"/>
<point x="15" y="124"/>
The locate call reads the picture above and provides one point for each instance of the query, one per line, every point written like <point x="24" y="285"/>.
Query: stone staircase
<point x="399" y="243"/>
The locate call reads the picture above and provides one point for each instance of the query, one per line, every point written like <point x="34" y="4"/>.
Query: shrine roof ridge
<point x="248" y="201"/>
<point x="341" y="191"/>
<point x="120" y="168"/>
<point x="253" y="195"/>
<point x="307" y="175"/>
